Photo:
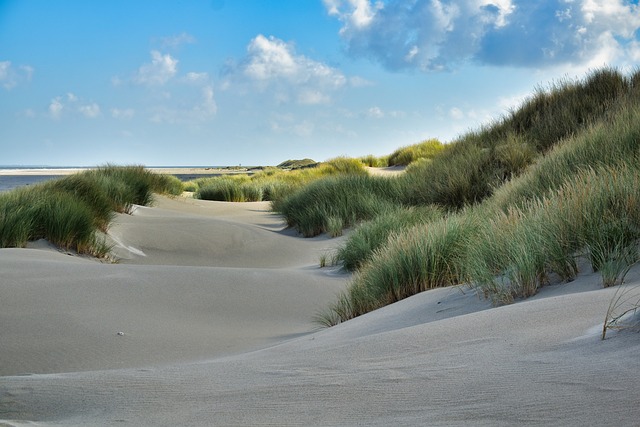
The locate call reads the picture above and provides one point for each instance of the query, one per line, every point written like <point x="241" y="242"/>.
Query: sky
<point x="257" y="82"/>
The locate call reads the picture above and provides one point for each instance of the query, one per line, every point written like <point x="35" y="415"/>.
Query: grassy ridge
<point x="554" y="181"/>
<point x="70" y="211"/>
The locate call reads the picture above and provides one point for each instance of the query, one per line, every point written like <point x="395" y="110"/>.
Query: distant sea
<point x="9" y="182"/>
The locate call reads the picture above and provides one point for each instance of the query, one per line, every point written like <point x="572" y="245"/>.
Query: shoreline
<point x="161" y="170"/>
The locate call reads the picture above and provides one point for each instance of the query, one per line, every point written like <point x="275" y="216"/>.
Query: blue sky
<point x="256" y="82"/>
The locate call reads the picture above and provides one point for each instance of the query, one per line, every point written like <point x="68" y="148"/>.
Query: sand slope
<point x="220" y="278"/>
<point x="444" y="357"/>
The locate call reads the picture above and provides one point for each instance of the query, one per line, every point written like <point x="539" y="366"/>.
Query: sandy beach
<point x="207" y="319"/>
<point x="71" y="171"/>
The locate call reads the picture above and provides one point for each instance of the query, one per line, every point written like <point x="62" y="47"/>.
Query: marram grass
<point x="338" y="200"/>
<point x="271" y="184"/>
<point x="70" y="212"/>
<point x="406" y="155"/>
<point x="372" y="235"/>
<point x="555" y="181"/>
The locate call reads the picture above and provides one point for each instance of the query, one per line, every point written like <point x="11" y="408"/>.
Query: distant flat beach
<point x="167" y="170"/>
<point x="11" y="178"/>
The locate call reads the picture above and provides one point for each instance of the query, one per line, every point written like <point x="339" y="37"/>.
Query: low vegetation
<point x="272" y="183"/>
<point x="375" y="162"/>
<point x="70" y="212"/>
<point x="342" y="200"/>
<point x="426" y="150"/>
<point x="372" y="235"/>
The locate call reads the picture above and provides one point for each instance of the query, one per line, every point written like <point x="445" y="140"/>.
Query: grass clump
<point x="422" y="257"/>
<point x="406" y="155"/>
<point x="373" y="235"/>
<point x="228" y="189"/>
<point x="71" y="211"/>
<point x="38" y="213"/>
<point x="375" y="162"/>
<point x="622" y="312"/>
<point x="342" y="199"/>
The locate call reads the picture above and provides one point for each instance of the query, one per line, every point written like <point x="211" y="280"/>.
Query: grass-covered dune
<point x="550" y="186"/>
<point x="507" y="207"/>
<point x="71" y="211"/>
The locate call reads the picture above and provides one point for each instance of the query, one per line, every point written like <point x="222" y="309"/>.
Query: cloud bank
<point x="271" y="63"/>
<point x="441" y="34"/>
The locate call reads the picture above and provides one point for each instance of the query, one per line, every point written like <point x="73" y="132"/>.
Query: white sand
<point x="388" y="171"/>
<point x="217" y="315"/>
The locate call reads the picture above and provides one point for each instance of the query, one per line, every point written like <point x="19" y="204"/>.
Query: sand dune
<point x="215" y="301"/>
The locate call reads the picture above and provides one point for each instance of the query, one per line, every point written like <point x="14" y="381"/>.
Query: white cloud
<point x="273" y="59"/>
<point x="27" y="71"/>
<point x="56" y="107"/>
<point x="178" y="98"/>
<point x="456" y="114"/>
<point x="90" y="111"/>
<point x="208" y="106"/>
<point x="633" y="51"/>
<point x="273" y="64"/>
<point x="4" y="69"/>
<point x="116" y="81"/>
<point x="71" y="103"/>
<point x="11" y="76"/>
<point x="375" y="112"/>
<point x="196" y="78"/>
<point x="125" y="114"/>
<point x="172" y="42"/>
<point x="619" y="16"/>
<point x="157" y="73"/>
<point x="313" y="97"/>
<point x="441" y="34"/>
<point x="28" y="113"/>
<point x="362" y="11"/>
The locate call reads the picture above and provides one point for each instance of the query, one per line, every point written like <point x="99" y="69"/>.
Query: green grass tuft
<point x="406" y="155"/>
<point x="372" y="235"/>
<point x="70" y="212"/>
